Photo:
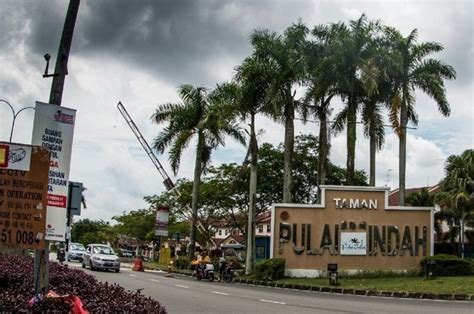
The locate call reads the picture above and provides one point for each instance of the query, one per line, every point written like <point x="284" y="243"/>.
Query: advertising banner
<point x="53" y="129"/>
<point x="161" y="223"/>
<point x="23" y="195"/>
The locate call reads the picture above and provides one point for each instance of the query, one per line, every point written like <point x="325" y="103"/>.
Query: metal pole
<point x="13" y="114"/>
<point x="60" y="69"/>
<point x="57" y="86"/>
<point x="68" y="220"/>
<point x="14" y="119"/>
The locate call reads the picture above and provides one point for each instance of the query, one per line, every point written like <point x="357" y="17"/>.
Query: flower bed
<point x="16" y="289"/>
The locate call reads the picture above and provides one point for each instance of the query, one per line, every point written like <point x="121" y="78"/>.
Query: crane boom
<point x="169" y="184"/>
<point x="167" y="180"/>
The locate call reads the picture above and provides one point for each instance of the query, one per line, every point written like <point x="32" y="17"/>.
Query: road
<point x="182" y="294"/>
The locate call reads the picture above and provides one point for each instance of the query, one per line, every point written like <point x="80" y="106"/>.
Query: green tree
<point x="457" y="195"/>
<point x="88" y="231"/>
<point x="356" y="48"/>
<point x="200" y="114"/>
<point x="421" y="198"/>
<point x="378" y="81"/>
<point x="138" y="224"/>
<point x="284" y="59"/>
<point x="415" y="71"/>
<point x="321" y="76"/>
<point x="252" y="77"/>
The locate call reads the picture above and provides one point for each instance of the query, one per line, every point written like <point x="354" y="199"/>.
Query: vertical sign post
<point x="53" y="129"/>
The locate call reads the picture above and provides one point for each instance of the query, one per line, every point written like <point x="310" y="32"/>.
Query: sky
<point x="139" y="52"/>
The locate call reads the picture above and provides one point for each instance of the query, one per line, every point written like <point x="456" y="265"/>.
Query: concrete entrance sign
<point x="353" y="227"/>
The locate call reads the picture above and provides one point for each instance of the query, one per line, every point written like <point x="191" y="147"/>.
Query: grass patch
<point x="440" y="285"/>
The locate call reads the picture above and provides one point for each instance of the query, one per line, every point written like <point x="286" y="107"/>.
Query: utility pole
<point x="60" y="72"/>
<point x="60" y="69"/>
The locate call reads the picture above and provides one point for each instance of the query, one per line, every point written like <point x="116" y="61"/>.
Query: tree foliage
<point x="88" y="231"/>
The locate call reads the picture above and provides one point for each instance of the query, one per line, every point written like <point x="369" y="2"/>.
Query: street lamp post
<point x="15" y="115"/>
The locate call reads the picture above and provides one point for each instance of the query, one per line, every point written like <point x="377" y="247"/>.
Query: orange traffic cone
<point x="138" y="264"/>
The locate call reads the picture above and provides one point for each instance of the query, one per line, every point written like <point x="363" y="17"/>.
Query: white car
<point x="100" y="256"/>
<point x="76" y="251"/>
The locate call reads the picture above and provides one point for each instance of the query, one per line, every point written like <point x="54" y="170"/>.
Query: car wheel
<point x="91" y="266"/>
<point x="211" y="277"/>
<point x="117" y="270"/>
<point x="83" y="265"/>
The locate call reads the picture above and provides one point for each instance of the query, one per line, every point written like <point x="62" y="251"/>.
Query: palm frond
<point x="180" y="143"/>
<point x="393" y="115"/>
<point x="340" y="120"/>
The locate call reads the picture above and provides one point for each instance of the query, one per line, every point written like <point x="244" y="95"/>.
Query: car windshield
<point x="103" y="250"/>
<point x="78" y="247"/>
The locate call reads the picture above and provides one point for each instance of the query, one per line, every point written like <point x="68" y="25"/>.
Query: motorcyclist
<point x="203" y="259"/>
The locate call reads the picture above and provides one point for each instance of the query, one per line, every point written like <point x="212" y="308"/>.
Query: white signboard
<point x="53" y="128"/>
<point x="19" y="157"/>
<point x="161" y="223"/>
<point x="353" y="243"/>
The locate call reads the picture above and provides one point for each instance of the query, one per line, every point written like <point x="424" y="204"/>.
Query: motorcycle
<point x="205" y="271"/>
<point x="226" y="272"/>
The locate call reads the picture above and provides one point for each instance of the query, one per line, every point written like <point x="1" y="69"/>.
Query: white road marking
<point x="154" y="280"/>
<point x="220" y="293"/>
<point x="181" y="286"/>
<point x="270" y="301"/>
<point x="132" y="275"/>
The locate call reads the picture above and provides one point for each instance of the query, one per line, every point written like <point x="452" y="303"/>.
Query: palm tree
<point x="457" y="195"/>
<point x="321" y="78"/>
<point x="378" y="80"/>
<point x="252" y="77"/>
<point x="201" y="114"/>
<point x="416" y="71"/>
<point x="356" y="50"/>
<point x="284" y="56"/>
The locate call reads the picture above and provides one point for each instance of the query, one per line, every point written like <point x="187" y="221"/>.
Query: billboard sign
<point x="23" y="195"/>
<point x="161" y="222"/>
<point x="53" y="129"/>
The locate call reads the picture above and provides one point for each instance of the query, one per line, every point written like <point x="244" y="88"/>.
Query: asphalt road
<point x="181" y="294"/>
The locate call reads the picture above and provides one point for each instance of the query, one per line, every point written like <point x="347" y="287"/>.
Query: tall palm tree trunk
<point x="351" y="138"/>
<point x="373" y="149"/>
<point x="194" y="202"/>
<point x="250" y="260"/>
<point x="402" y="151"/>
<point x="323" y="145"/>
<point x="288" y="153"/>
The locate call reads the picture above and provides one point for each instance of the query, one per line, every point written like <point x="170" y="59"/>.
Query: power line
<point x="357" y="122"/>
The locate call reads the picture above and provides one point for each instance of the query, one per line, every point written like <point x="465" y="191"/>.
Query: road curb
<point x="360" y="292"/>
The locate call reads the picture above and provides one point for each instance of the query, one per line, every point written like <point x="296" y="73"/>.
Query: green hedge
<point x="182" y="262"/>
<point x="448" y="265"/>
<point x="270" y="269"/>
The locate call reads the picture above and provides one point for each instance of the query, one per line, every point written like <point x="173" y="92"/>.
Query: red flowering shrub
<point x="16" y="289"/>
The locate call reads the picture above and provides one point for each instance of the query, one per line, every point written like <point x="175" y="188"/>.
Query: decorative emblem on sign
<point x="284" y="215"/>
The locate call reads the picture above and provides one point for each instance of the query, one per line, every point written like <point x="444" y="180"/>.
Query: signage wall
<point x="353" y="227"/>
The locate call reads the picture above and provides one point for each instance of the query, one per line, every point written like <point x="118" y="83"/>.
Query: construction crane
<point x="169" y="184"/>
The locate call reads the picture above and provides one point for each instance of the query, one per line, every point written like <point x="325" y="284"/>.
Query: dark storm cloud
<point x="183" y="41"/>
<point x="179" y="40"/>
